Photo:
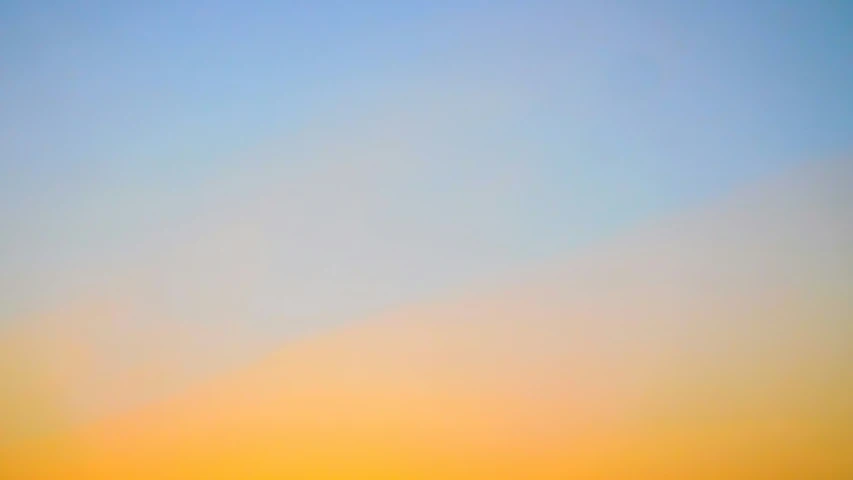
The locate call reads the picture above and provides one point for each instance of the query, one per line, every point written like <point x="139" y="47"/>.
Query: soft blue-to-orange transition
<point x="426" y="240"/>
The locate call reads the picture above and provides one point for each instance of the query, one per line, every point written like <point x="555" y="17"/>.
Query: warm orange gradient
<point x="716" y="345"/>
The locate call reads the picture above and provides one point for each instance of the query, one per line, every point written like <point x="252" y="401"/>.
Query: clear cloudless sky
<point x="319" y="160"/>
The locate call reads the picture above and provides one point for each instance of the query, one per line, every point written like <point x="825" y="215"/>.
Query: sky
<point x="466" y="208"/>
<point x="285" y="166"/>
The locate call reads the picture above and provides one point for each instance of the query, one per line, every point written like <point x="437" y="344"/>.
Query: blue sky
<point x="378" y="152"/>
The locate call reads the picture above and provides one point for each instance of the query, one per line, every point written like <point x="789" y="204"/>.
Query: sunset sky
<point x="186" y="187"/>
